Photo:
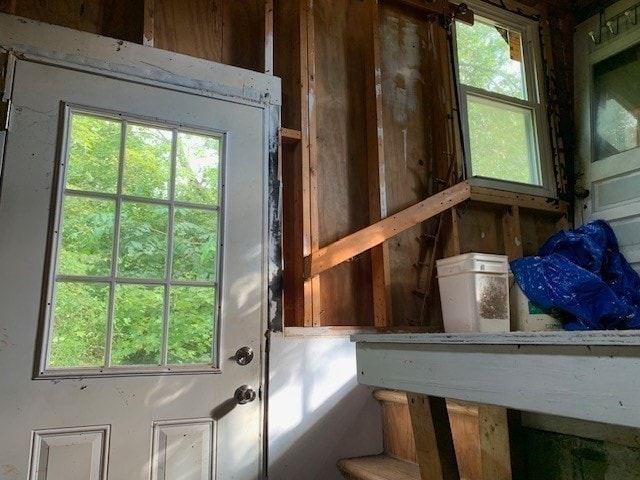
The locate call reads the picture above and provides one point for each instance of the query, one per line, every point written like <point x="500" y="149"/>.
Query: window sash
<point x="533" y="71"/>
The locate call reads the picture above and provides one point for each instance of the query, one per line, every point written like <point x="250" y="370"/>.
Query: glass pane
<point x="79" y="325"/>
<point x="147" y="163"/>
<point x="94" y="153"/>
<point x="490" y="57"/>
<point x="502" y="141"/>
<point x="87" y="236"/>
<point x="191" y="322"/>
<point x="143" y="240"/>
<point x="617" y="103"/>
<point x="197" y="169"/>
<point x="137" y="325"/>
<point x="195" y="244"/>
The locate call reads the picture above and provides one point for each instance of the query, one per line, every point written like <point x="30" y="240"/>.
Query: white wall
<point x="317" y="411"/>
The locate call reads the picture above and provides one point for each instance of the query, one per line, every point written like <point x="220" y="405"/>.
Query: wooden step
<point x="378" y="467"/>
<point x="398" y="433"/>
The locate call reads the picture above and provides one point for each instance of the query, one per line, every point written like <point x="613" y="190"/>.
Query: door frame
<point x="32" y="41"/>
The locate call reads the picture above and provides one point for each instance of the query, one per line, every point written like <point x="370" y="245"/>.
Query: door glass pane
<point x="617" y="98"/>
<point x="191" y="325"/>
<point x="147" y="164"/>
<point x="174" y="177"/>
<point x="197" y="168"/>
<point x="87" y="226"/>
<point x="137" y="325"/>
<point x="490" y="57"/>
<point x="494" y="154"/>
<point x="195" y="244"/>
<point x="143" y="240"/>
<point x="94" y="153"/>
<point x="78" y="336"/>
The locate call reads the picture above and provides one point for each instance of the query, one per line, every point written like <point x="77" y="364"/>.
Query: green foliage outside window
<point x="501" y="133"/>
<point x="86" y="272"/>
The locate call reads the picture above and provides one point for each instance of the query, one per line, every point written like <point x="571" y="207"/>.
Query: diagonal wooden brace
<point x="373" y="235"/>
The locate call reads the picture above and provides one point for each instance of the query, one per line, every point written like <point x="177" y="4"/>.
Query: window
<point x="617" y="103"/>
<point x="503" y="117"/>
<point x="136" y="247"/>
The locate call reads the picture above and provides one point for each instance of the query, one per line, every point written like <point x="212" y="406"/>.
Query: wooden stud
<point x="511" y="233"/>
<point x="373" y="235"/>
<point x="494" y="442"/>
<point x="148" y="22"/>
<point x="268" y="37"/>
<point x="380" y="268"/>
<point x="432" y="433"/>
<point x="309" y="159"/>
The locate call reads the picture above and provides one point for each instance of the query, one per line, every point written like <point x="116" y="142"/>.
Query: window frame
<point x="535" y="102"/>
<point x="54" y="241"/>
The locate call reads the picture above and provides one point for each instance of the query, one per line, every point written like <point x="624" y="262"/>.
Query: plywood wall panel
<point x="408" y="96"/>
<point x="287" y="59"/>
<point x="192" y="27"/>
<point x="120" y="19"/>
<point x="342" y="155"/>
<point x="536" y="229"/>
<point x="480" y="229"/>
<point x="243" y="34"/>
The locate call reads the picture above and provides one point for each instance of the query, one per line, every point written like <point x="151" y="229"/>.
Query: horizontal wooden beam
<point x="531" y="202"/>
<point x="447" y="9"/>
<point x="373" y="235"/>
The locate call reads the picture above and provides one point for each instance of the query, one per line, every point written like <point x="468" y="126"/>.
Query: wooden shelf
<point x="531" y="202"/>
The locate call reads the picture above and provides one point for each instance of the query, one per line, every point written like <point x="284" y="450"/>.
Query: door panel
<point x="143" y="420"/>
<point x="606" y="100"/>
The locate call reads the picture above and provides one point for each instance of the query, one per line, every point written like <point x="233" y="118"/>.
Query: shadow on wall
<point x="317" y="411"/>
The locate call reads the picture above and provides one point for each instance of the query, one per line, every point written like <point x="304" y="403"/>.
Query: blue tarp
<point x="583" y="273"/>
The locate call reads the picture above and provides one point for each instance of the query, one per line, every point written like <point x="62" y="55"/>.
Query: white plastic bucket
<point x="474" y="292"/>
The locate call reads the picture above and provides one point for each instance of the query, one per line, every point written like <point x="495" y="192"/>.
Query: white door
<point x="607" y="100"/>
<point x="132" y="232"/>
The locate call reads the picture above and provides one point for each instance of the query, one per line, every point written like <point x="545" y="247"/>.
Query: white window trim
<point x="44" y="370"/>
<point x="534" y="84"/>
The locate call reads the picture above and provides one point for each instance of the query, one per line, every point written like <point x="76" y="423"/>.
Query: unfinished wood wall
<point x="342" y="162"/>
<point x="368" y="99"/>
<point x="122" y="19"/>
<point x="226" y="31"/>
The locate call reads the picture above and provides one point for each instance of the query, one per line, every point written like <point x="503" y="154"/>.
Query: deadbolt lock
<point x="244" y="356"/>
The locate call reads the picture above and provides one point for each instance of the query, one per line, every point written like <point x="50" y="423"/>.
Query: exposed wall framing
<point x="370" y="129"/>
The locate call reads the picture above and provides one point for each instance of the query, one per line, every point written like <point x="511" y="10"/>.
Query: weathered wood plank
<point x="378" y="467"/>
<point x="511" y="233"/>
<point x="380" y="268"/>
<point x="432" y="434"/>
<point x="532" y="202"/>
<point x="307" y="127"/>
<point x="290" y="136"/>
<point x="268" y="37"/>
<point x="494" y="442"/>
<point x="377" y="233"/>
<point x="148" y="23"/>
<point x="192" y="27"/>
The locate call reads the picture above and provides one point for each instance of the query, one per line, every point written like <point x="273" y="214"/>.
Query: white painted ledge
<point x="587" y="375"/>
<point x="612" y="337"/>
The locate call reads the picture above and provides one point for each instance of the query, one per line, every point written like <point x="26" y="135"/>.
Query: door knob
<point x="244" y="356"/>
<point x="244" y="394"/>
